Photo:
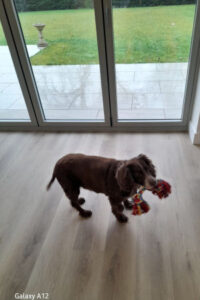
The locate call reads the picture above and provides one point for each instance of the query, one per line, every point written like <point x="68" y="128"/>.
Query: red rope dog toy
<point x="140" y="206"/>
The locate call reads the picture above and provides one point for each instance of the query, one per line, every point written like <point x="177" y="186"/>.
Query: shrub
<point x="35" y="5"/>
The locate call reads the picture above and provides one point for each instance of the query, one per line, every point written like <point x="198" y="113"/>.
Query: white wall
<point x="194" y="126"/>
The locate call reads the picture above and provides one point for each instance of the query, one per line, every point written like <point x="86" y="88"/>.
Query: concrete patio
<point x="144" y="91"/>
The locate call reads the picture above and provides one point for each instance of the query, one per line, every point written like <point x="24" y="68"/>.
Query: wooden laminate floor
<point x="46" y="247"/>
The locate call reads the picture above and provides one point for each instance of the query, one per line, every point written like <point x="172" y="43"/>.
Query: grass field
<point x="147" y="34"/>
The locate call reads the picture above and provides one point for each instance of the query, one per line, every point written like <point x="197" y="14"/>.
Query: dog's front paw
<point x="120" y="207"/>
<point x="122" y="219"/>
<point x="128" y="204"/>
<point x="86" y="213"/>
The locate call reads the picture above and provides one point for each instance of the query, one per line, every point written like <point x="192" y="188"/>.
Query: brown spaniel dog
<point x="118" y="179"/>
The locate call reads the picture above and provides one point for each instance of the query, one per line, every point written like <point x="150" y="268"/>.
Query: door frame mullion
<point x="109" y="43"/>
<point x="193" y="67"/>
<point x="99" y="19"/>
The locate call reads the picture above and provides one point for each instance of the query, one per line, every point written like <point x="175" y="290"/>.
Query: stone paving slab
<point x="12" y="104"/>
<point x="169" y="86"/>
<point x="128" y="87"/>
<point x="173" y="113"/>
<point x="19" y="104"/>
<point x="14" y="114"/>
<point x="158" y="75"/>
<point x="71" y="114"/>
<point x="154" y="113"/>
<point x="153" y="100"/>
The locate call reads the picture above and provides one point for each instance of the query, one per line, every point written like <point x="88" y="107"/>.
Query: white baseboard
<point x="194" y="135"/>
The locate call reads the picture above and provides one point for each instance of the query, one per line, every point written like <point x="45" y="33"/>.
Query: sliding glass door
<point x="151" y="46"/>
<point x="62" y="54"/>
<point x="65" y="60"/>
<point x="102" y="63"/>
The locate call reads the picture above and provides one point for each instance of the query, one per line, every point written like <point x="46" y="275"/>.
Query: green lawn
<point x="150" y="34"/>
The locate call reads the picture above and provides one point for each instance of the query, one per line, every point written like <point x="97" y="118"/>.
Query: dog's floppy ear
<point x="124" y="178"/>
<point x="147" y="164"/>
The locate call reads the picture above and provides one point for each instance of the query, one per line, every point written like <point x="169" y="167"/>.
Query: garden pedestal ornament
<point x="41" y="43"/>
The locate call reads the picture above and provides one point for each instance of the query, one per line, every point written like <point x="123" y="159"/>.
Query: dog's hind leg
<point x="81" y="200"/>
<point x="72" y="191"/>
<point x="73" y="194"/>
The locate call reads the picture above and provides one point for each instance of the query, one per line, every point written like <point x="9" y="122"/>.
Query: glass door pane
<point x="12" y="104"/>
<point x="152" y="46"/>
<point x="61" y="41"/>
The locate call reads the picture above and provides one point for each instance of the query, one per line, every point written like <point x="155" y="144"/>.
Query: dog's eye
<point x="139" y="178"/>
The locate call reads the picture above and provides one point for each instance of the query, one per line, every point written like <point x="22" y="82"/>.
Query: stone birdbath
<point x="41" y="43"/>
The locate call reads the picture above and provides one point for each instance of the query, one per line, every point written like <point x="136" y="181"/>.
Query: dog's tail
<point x="51" y="181"/>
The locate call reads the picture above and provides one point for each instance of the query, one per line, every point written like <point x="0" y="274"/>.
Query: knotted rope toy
<point x="140" y="206"/>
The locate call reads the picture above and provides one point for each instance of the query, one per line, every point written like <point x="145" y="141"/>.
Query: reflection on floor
<point x="144" y="91"/>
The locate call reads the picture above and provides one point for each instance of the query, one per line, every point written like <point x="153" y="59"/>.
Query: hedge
<point x="36" y="5"/>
